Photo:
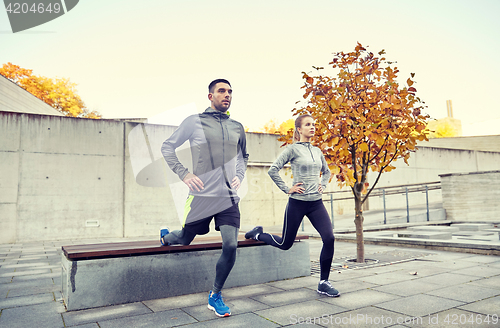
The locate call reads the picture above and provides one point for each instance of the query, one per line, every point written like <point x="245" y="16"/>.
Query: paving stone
<point x="494" y="264"/>
<point x="6" y="272"/>
<point x="423" y="268"/>
<point x="25" y="273"/>
<point x="465" y="293"/>
<point x="5" y="280"/>
<point x="11" y="302"/>
<point x="291" y="314"/>
<point x="349" y="274"/>
<point x="237" y="306"/>
<point x="74" y="318"/>
<point x="88" y="325"/>
<point x="451" y="318"/>
<point x="49" y="275"/>
<point x="492" y="282"/>
<point x="487" y="306"/>
<point x="169" y="318"/>
<point x="480" y="271"/>
<point x="407" y="288"/>
<point x="247" y="291"/>
<point x="448" y="279"/>
<point x="482" y="259"/>
<point x="26" y="284"/>
<point x="359" y="299"/>
<point x="388" y="278"/>
<point x="444" y="256"/>
<point x="242" y="320"/>
<point x="287" y="297"/>
<point x="419" y="305"/>
<point x="366" y="317"/>
<point x="351" y="285"/>
<point x="37" y="265"/>
<point x="305" y="324"/>
<point x="47" y="315"/>
<point x="453" y="265"/>
<point x="295" y="283"/>
<point x="169" y="303"/>
<point x="384" y="269"/>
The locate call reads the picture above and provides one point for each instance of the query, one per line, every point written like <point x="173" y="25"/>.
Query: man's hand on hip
<point x="193" y="182"/>
<point x="236" y="183"/>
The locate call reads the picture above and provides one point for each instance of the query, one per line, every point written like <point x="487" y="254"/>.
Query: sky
<point x="155" y="58"/>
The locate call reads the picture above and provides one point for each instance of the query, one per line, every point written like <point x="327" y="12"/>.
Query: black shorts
<point x="199" y="212"/>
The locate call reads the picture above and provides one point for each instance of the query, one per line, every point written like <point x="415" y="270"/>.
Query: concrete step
<point x="435" y="228"/>
<point x="472" y="226"/>
<point x="425" y="235"/>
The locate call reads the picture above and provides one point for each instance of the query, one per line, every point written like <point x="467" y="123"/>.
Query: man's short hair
<point x="212" y="84"/>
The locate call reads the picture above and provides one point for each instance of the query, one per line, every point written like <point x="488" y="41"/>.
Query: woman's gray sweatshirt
<point x="307" y="162"/>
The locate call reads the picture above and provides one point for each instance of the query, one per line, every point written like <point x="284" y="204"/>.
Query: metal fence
<point x="384" y="192"/>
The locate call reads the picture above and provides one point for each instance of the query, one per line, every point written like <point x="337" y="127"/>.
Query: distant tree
<point x="58" y="93"/>
<point x="365" y="121"/>
<point x="274" y="127"/>
<point x="441" y="129"/>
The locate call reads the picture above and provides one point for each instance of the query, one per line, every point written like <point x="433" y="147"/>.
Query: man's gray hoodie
<point x="218" y="150"/>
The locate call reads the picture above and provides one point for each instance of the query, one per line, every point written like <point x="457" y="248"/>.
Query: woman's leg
<point x="294" y="213"/>
<point x="321" y="222"/>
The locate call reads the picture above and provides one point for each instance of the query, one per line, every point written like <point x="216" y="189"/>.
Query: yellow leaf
<point x="380" y="141"/>
<point x="363" y="147"/>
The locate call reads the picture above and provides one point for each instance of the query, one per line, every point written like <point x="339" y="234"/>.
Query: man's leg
<point x="228" y="257"/>
<point x="223" y="268"/>
<point x="183" y="237"/>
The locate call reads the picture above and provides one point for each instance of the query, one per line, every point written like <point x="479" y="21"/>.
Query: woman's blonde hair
<point x="298" y="124"/>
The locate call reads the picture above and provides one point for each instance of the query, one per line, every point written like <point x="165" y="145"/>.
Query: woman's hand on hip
<point x="297" y="189"/>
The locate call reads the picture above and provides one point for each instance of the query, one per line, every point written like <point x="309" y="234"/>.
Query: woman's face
<point x="307" y="128"/>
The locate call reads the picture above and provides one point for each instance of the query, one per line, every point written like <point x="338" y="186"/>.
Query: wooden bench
<point x="96" y="275"/>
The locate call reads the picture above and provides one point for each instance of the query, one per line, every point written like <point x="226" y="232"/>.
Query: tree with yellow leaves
<point x="443" y="128"/>
<point x="274" y="127"/>
<point x="365" y="121"/>
<point x="58" y="93"/>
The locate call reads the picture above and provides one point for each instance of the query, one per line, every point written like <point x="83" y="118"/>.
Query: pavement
<point x="397" y="287"/>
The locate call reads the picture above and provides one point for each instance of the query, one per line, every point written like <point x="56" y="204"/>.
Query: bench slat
<point x="89" y="251"/>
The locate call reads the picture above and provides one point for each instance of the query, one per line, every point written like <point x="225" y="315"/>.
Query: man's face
<point x="221" y="97"/>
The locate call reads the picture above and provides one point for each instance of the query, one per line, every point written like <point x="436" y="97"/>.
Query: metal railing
<point x="384" y="192"/>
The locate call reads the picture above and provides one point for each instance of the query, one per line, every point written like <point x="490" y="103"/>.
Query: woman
<point x="305" y="198"/>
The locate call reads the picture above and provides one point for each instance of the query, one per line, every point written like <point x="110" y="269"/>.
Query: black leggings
<point x="228" y="257"/>
<point x="317" y="214"/>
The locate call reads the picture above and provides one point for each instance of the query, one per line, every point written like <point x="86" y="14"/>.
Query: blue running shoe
<point x="216" y="304"/>
<point x="163" y="232"/>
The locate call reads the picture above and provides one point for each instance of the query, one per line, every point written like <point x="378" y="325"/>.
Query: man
<point x="218" y="150"/>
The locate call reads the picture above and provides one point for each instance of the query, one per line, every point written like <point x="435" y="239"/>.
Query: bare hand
<point x="297" y="189"/>
<point x="320" y="189"/>
<point x="236" y="183"/>
<point x="193" y="182"/>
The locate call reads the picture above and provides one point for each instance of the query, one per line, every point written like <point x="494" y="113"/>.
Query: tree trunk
<point x="358" y="221"/>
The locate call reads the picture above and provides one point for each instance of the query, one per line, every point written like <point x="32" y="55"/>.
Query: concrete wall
<point x="73" y="178"/>
<point x="471" y="196"/>
<point x="15" y="99"/>
<point x="483" y="143"/>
